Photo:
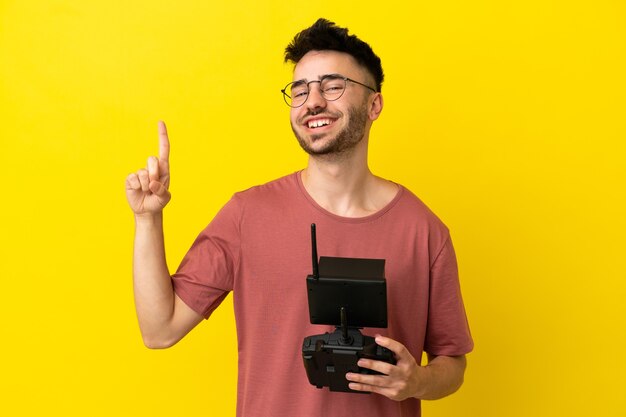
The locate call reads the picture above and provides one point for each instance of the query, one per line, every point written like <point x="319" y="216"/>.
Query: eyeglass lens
<point x="331" y="88"/>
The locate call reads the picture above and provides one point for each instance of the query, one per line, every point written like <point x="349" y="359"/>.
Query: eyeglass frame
<point x="308" y="86"/>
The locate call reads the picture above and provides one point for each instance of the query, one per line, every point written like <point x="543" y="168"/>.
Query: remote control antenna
<point x="345" y="339"/>
<point x="316" y="273"/>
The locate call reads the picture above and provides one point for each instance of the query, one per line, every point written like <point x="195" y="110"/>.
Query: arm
<point x="163" y="318"/>
<point x="446" y="376"/>
<point x="441" y="377"/>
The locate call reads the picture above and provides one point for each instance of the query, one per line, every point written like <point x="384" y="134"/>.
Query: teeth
<point x="319" y="122"/>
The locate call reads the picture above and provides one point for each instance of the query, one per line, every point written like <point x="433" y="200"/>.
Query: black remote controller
<point x="329" y="356"/>
<point x="348" y="293"/>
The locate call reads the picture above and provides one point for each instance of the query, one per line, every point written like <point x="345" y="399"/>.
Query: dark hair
<point x="324" y="36"/>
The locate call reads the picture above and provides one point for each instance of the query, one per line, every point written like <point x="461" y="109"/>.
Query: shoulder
<point x="269" y="200"/>
<point x="413" y="207"/>
<point x="260" y="202"/>
<point x="415" y="218"/>
<point x="283" y="184"/>
<point x="269" y="192"/>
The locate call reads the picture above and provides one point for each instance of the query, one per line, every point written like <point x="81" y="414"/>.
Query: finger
<point x="132" y="182"/>
<point x="396" y="347"/>
<point x="390" y="393"/>
<point x="373" y="380"/>
<point x="356" y="386"/>
<point x="144" y="180"/>
<point x="378" y="366"/>
<point x="153" y="168"/>
<point x="159" y="189"/>
<point x="164" y="143"/>
<point x="160" y="192"/>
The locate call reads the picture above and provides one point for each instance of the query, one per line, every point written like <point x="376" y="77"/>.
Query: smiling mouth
<point x="317" y="123"/>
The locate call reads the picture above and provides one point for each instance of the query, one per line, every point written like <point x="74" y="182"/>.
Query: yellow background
<point x="506" y="117"/>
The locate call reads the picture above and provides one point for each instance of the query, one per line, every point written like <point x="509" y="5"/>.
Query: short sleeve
<point x="447" y="331"/>
<point x="206" y="273"/>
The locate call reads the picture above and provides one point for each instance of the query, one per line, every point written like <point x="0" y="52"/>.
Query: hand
<point x="147" y="189"/>
<point x="403" y="380"/>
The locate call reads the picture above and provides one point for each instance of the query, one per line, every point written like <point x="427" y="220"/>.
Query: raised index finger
<point x="164" y="143"/>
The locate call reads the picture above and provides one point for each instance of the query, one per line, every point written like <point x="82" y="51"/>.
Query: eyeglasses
<point x="332" y="87"/>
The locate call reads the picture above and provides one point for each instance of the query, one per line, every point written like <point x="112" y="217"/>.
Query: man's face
<point x="331" y="127"/>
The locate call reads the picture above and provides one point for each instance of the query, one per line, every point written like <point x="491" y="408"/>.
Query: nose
<point x="315" y="99"/>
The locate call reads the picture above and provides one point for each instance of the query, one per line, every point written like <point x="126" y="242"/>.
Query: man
<point x="258" y="247"/>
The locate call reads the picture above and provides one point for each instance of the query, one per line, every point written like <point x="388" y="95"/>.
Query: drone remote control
<point x="349" y="293"/>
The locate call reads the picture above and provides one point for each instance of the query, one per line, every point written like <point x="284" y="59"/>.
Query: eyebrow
<point x="333" y="75"/>
<point x="298" y="83"/>
<point x="321" y="77"/>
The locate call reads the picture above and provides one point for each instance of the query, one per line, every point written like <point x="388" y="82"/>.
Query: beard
<point x="344" y="141"/>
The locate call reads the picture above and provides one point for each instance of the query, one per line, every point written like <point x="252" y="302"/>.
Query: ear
<point x="375" y="106"/>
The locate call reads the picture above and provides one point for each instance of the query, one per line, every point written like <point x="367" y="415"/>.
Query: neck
<point x="344" y="185"/>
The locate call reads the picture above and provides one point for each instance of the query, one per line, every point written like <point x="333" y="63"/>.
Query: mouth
<point x="318" y="123"/>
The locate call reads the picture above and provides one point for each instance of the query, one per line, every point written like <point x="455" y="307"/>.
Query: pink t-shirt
<point x="258" y="246"/>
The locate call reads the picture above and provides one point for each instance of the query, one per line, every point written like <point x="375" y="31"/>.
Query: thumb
<point x="160" y="191"/>
<point x="153" y="168"/>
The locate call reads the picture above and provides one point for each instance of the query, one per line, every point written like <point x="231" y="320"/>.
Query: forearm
<point x="154" y="295"/>
<point x="442" y="376"/>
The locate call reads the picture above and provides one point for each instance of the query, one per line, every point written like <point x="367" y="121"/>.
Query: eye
<point x="332" y="86"/>
<point x="299" y="93"/>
